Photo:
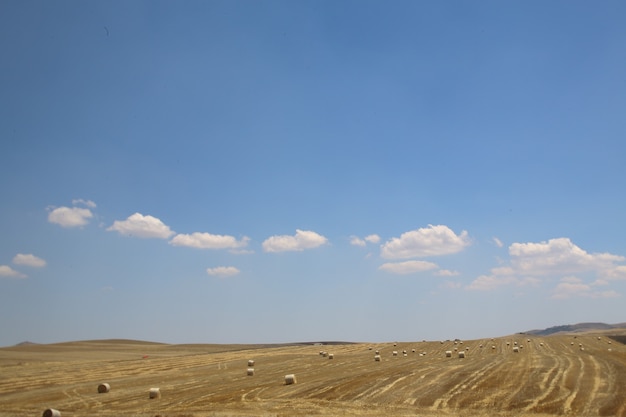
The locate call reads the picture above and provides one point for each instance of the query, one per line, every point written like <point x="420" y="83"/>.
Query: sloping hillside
<point x="576" y="328"/>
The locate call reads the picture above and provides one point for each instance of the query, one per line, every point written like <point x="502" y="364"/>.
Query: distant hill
<point x="26" y="343"/>
<point x="576" y="328"/>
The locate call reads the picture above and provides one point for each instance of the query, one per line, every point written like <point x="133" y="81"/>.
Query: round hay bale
<point x="51" y="412"/>
<point x="376" y="358"/>
<point x="290" y="379"/>
<point x="104" y="388"/>
<point x="154" y="393"/>
<point x="448" y="353"/>
<point x="413" y="350"/>
<point x="462" y="354"/>
<point x="250" y="363"/>
<point x="324" y="354"/>
<point x="394" y="353"/>
<point x="250" y="371"/>
<point x="515" y="349"/>
<point x="331" y="355"/>
<point x="377" y="352"/>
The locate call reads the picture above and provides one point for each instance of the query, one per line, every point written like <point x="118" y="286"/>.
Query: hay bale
<point x="250" y="372"/>
<point x="154" y="393"/>
<point x="331" y="355"/>
<point x="290" y="379"/>
<point x="448" y="353"/>
<point x="250" y="363"/>
<point x="376" y="358"/>
<point x="413" y="350"/>
<point x="462" y="354"/>
<point x="104" y="388"/>
<point x="51" y="412"/>
<point x="394" y="353"/>
<point x="515" y="349"/>
<point x="377" y="352"/>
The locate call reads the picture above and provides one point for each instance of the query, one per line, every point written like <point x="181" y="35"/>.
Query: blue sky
<point x="276" y="171"/>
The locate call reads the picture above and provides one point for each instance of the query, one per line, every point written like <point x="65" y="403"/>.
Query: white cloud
<point x="222" y="271"/>
<point x="498" y="242"/>
<point x="407" y="267"/>
<point x="303" y="239"/>
<point x="29" y="260"/>
<point x="7" y="271"/>
<point x="428" y="241"/>
<point x="357" y="241"/>
<point x="556" y="258"/>
<point x="570" y="287"/>
<point x="209" y="241"/>
<point x="87" y="203"/>
<point x="70" y="216"/>
<point x="446" y="273"/>
<point x="142" y="226"/>
<point x="372" y="238"/>
<point x="491" y="282"/>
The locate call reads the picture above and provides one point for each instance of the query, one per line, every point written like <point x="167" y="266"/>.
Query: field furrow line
<point x="567" y="404"/>
<point x="548" y="382"/>
<point x="462" y="385"/>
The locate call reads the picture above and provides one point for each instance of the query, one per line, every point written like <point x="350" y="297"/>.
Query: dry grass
<point x="547" y="377"/>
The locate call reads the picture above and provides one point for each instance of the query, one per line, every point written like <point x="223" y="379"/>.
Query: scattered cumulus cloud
<point x="570" y="287"/>
<point x="142" y="226"/>
<point x="8" y="272"/>
<point x="303" y="239"/>
<point x="533" y="262"/>
<point x="223" y="271"/>
<point x="407" y="267"/>
<point x="372" y="238"/>
<point x="357" y="241"/>
<point x="29" y="260"/>
<point x="70" y="216"/>
<point x="209" y="241"/>
<point x="428" y="241"/>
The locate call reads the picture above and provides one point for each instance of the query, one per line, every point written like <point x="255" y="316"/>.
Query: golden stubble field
<point x="583" y="375"/>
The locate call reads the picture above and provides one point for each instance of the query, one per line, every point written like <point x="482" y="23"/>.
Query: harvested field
<point x="548" y="376"/>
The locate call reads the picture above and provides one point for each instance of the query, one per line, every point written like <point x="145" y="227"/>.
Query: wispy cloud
<point x="223" y="271"/>
<point x="29" y="260"/>
<point x="303" y="239"/>
<point x="141" y="226"/>
<point x="87" y="203"/>
<point x="498" y="242"/>
<point x="407" y="267"/>
<point x="428" y="241"/>
<point x="446" y="273"/>
<point x="209" y="241"/>
<point x="570" y="287"/>
<point x="8" y="272"/>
